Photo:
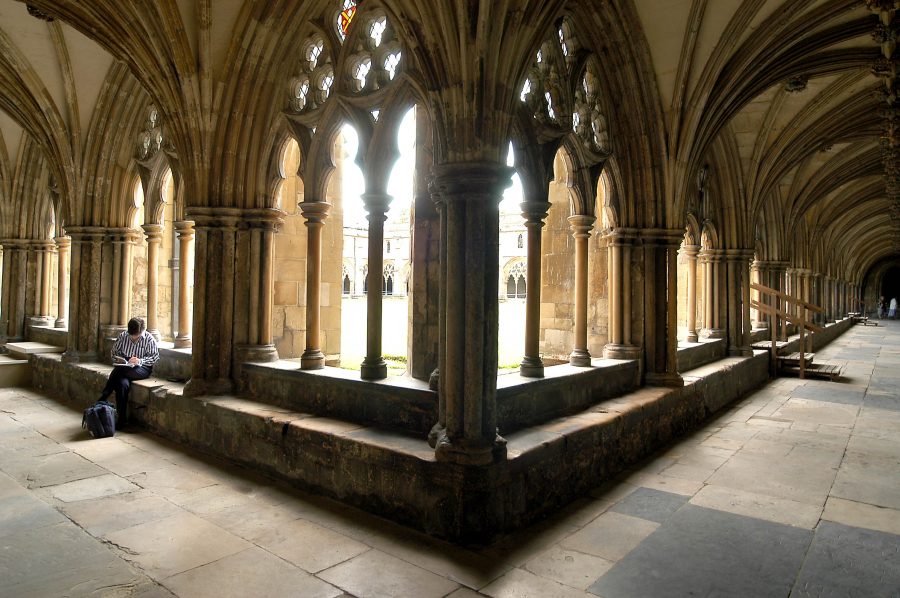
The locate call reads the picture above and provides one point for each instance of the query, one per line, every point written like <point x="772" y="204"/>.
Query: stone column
<point x="37" y="281"/>
<point x="153" y="233"/>
<point x="534" y="213"/>
<point x="738" y="301"/>
<point x="15" y="280"/>
<point x="660" y="305"/>
<point x="84" y="292"/>
<point x="255" y="286"/>
<point x="759" y="273"/>
<point x="184" y="229"/>
<point x="471" y="194"/>
<point x="425" y="283"/>
<point x="46" y="257"/>
<point x="373" y="366"/>
<point x="581" y="230"/>
<point x="315" y="213"/>
<point x="691" y="252"/>
<point x="63" y="244"/>
<point x="712" y="260"/>
<point x="618" y="252"/>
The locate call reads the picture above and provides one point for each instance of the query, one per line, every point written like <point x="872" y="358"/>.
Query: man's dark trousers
<point x="120" y="383"/>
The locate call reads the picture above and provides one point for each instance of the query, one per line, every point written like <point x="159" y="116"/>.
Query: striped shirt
<point x="145" y="348"/>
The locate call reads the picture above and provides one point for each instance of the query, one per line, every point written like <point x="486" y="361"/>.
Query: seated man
<point x="134" y="354"/>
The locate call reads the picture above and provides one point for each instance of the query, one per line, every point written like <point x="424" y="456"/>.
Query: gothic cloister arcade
<point x="184" y="162"/>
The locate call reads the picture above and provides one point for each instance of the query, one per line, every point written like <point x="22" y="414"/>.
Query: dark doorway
<point x="890" y="285"/>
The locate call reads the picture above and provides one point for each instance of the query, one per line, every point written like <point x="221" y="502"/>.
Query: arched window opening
<point x="512" y="242"/>
<point x="515" y="282"/>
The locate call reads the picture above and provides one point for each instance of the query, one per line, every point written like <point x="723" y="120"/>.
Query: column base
<point x="312" y="360"/>
<point x="666" y="379"/>
<point x="255" y="353"/>
<point x="469" y="453"/>
<point x="434" y="382"/>
<point x="714" y="333"/>
<point x="73" y="356"/>
<point x="580" y="358"/>
<point x="39" y="322"/>
<point x="63" y="323"/>
<point x="614" y="351"/>
<point x="531" y="367"/>
<point x="740" y="351"/>
<point x="155" y="334"/>
<point x="693" y="337"/>
<point x="375" y="369"/>
<point x="196" y="387"/>
<point x="183" y="342"/>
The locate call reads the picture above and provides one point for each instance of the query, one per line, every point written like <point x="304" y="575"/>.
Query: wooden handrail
<point x="768" y="309"/>
<point x="788" y="298"/>
<point x="800" y="319"/>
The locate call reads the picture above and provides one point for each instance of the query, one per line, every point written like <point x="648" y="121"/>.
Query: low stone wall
<point x="58" y="337"/>
<point x="397" y="402"/>
<point x="173" y="364"/>
<point x="693" y="355"/>
<point x="564" y="390"/>
<point x="396" y="475"/>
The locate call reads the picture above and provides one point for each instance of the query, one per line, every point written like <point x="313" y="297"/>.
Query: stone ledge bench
<point x="82" y="383"/>
<point x="395" y="473"/>
<point x="25" y="349"/>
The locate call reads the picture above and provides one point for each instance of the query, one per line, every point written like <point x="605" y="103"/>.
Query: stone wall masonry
<point x="58" y="337"/>
<point x="564" y="390"/>
<point x="693" y="355"/>
<point x="397" y="476"/>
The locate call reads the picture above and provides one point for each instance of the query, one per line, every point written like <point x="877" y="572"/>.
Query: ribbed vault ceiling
<point x="777" y="96"/>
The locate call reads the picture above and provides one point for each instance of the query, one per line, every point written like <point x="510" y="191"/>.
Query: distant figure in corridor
<point x="133" y="354"/>
<point x="881" y="304"/>
<point x="892" y="312"/>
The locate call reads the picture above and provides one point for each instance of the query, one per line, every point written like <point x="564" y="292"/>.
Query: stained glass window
<point x="345" y="17"/>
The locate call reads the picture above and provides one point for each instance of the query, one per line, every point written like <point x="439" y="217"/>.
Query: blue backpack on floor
<point x="100" y="419"/>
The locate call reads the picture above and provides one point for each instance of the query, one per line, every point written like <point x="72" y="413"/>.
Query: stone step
<point x="14" y="372"/>
<point x="23" y="349"/>
<point x="793" y="359"/>
<point x="815" y="370"/>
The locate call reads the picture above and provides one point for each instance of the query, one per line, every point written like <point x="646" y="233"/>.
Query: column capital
<point x="86" y="234"/>
<point x="376" y="202"/>
<point x="153" y="231"/>
<point x="620" y="235"/>
<point x="535" y="211"/>
<point x="184" y="229"/>
<point x="315" y="212"/>
<point x="63" y="242"/>
<point x="581" y="225"/>
<point x="691" y="251"/>
<point x="661" y="236"/>
<point x="123" y="235"/>
<point x="739" y="255"/>
<point x="468" y="181"/>
<point x="710" y="256"/>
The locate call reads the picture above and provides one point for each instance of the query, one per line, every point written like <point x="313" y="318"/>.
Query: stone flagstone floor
<point x="793" y="491"/>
